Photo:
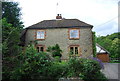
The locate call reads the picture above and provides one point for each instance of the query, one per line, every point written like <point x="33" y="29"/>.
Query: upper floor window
<point x="40" y="34"/>
<point x="74" y="33"/>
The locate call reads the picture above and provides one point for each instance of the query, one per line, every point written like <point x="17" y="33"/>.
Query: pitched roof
<point x="62" y="23"/>
<point x="100" y="49"/>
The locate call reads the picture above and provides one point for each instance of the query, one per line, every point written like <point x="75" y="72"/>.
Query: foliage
<point x="99" y="61"/>
<point x="115" y="48"/>
<point x="32" y="65"/>
<point x="11" y="12"/>
<point x="10" y="47"/>
<point x="55" y="50"/>
<point x="11" y="28"/>
<point x="58" y="70"/>
<point x="10" y="37"/>
<point x="86" y="69"/>
<point x="111" y="43"/>
<point x="5" y="29"/>
<point x="91" y="71"/>
<point x="113" y="36"/>
<point x="75" y="67"/>
<point x="94" y="44"/>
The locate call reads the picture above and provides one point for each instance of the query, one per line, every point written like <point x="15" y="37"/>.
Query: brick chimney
<point x="58" y="16"/>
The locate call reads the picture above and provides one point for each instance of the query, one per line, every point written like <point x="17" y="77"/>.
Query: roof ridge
<point x="62" y="23"/>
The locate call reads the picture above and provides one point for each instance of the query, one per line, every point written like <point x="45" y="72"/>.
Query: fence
<point x="115" y="59"/>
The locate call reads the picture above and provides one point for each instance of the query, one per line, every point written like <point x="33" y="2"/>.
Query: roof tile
<point x="63" y="23"/>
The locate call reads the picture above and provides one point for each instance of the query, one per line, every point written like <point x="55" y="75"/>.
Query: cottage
<point x="72" y="35"/>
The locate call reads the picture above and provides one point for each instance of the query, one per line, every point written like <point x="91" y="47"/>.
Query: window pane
<point x="38" y="49"/>
<point x="71" y="50"/>
<point x="42" y="35"/>
<point x="76" y="50"/>
<point x="74" y="33"/>
<point x="42" y="49"/>
<point x="38" y="35"/>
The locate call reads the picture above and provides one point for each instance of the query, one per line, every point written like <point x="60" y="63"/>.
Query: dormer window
<point x="40" y="34"/>
<point x="74" y="33"/>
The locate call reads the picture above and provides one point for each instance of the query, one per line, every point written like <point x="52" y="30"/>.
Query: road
<point x="112" y="70"/>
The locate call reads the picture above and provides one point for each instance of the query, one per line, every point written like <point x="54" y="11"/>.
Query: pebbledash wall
<point x="60" y="36"/>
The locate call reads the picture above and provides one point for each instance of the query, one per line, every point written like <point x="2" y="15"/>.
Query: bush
<point x="86" y="69"/>
<point x="99" y="61"/>
<point x="91" y="71"/>
<point x="32" y="65"/>
<point x="55" y="50"/>
<point x="57" y="70"/>
<point x="40" y="66"/>
<point x="75" y="67"/>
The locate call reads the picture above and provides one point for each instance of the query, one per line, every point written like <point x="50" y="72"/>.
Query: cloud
<point x="94" y="12"/>
<point x="107" y="28"/>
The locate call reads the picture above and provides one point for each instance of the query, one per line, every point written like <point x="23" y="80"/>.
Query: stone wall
<point x="60" y="36"/>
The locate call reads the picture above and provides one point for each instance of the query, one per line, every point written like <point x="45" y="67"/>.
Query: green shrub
<point x="75" y="67"/>
<point x="91" y="71"/>
<point x="55" y="50"/>
<point x="57" y="70"/>
<point x="86" y="69"/>
<point x="32" y="65"/>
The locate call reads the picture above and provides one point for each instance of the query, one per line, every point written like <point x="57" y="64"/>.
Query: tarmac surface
<point x="112" y="71"/>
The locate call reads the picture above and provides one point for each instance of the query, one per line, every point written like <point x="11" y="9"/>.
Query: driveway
<point x="111" y="70"/>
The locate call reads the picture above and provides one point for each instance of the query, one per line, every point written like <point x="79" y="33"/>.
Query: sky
<point x="102" y="14"/>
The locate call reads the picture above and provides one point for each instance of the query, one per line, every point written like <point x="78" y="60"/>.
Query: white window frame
<point x="40" y="34"/>
<point x="72" y="31"/>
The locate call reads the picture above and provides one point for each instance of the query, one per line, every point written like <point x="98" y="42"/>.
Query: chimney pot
<point x="58" y="16"/>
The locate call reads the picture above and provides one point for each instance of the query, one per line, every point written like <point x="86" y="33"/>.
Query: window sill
<point x="74" y="38"/>
<point x="75" y="55"/>
<point x="40" y="39"/>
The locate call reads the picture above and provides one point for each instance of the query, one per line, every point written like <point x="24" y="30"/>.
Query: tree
<point x="115" y="53"/>
<point x="10" y="47"/>
<point x="113" y="36"/>
<point x="11" y="37"/>
<point x="5" y="29"/>
<point x="111" y="43"/>
<point x="11" y="28"/>
<point x="11" y="12"/>
<point x="104" y="42"/>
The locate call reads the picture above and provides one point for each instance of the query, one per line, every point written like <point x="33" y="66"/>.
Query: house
<point x="102" y="53"/>
<point x="72" y="35"/>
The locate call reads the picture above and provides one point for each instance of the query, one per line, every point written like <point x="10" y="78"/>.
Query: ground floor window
<point x="74" y="50"/>
<point x="40" y="48"/>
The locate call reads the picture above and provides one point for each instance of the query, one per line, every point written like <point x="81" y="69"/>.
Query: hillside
<point x="110" y="43"/>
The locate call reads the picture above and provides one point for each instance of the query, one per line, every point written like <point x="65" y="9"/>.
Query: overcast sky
<point x="102" y="14"/>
